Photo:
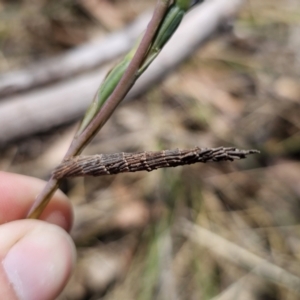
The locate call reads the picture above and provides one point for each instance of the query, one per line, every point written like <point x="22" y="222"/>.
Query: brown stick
<point x="107" y="164"/>
<point x="124" y="85"/>
<point x="114" y="99"/>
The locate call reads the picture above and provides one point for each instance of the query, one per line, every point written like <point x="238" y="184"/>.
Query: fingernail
<point x="40" y="263"/>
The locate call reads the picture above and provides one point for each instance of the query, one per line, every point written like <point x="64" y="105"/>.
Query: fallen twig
<point x="80" y="59"/>
<point x="66" y="101"/>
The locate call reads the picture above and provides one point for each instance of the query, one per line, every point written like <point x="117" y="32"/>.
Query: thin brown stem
<point x="123" y="86"/>
<point x="115" y="98"/>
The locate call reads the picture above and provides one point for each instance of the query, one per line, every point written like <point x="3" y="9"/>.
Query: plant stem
<point x="124" y="85"/>
<point x="115" y="98"/>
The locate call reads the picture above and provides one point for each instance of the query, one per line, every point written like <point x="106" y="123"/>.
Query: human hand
<point x="37" y="257"/>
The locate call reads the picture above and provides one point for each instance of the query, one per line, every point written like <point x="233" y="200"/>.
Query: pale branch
<point x="108" y="164"/>
<point x="80" y="59"/>
<point x="64" y="102"/>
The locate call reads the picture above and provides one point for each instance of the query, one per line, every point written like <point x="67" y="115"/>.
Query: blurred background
<point x="213" y="231"/>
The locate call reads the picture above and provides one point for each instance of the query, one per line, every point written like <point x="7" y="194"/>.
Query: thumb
<point x="36" y="260"/>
